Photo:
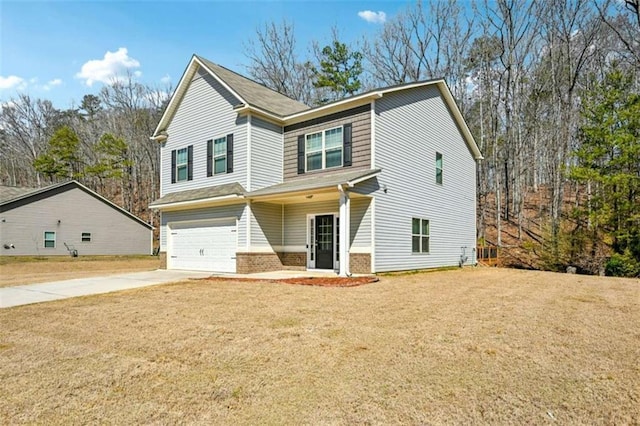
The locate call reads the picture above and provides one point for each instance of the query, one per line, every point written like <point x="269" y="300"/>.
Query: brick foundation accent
<point x="360" y="263"/>
<point x="162" y="258"/>
<point x="294" y="261"/>
<point x="248" y="263"/>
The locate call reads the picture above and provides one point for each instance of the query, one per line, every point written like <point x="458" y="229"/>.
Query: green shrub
<point x="622" y="265"/>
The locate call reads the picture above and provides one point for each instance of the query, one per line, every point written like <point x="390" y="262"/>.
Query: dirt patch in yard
<point x="471" y="346"/>
<point x="31" y="270"/>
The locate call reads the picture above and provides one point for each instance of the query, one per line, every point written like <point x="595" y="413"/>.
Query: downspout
<point x="345" y="232"/>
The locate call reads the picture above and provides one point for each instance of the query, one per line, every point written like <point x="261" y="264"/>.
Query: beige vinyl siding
<point x="234" y="210"/>
<point x="112" y="231"/>
<point x="411" y="126"/>
<point x="361" y="143"/>
<point x="266" y="225"/>
<point x="205" y="112"/>
<point x="266" y="154"/>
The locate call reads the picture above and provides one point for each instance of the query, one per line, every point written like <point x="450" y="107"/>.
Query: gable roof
<point x="16" y="197"/>
<point x="259" y="99"/>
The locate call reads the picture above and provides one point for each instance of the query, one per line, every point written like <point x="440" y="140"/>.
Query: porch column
<point x="345" y="233"/>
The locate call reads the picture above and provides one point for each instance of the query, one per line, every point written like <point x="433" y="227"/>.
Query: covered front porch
<point x="300" y="225"/>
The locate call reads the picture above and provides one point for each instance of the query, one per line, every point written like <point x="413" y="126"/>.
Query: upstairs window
<point x="438" y="168"/>
<point x="220" y="155"/>
<point x="49" y="239"/>
<point x="86" y="237"/>
<point x="419" y="235"/>
<point x="324" y="149"/>
<point x="182" y="164"/>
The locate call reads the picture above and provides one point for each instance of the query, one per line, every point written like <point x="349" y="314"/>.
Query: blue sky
<point x="62" y="50"/>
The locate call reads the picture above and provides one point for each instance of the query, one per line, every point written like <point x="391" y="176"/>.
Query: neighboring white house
<point x="39" y="222"/>
<point x="254" y="181"/>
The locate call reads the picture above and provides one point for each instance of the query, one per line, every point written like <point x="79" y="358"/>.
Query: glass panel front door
<point x="324" y="242"/>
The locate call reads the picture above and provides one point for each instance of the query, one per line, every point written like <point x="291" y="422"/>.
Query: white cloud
<point x="13" y="81"/>
<point x="109" y="68"/>
<point x="373" y="17"/>
<point x="52" y="83"/>
<point x="166" y="79"/>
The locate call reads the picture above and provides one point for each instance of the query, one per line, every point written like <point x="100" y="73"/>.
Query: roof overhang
<point x="312" y="192"/>
<point x="201" y="203"/>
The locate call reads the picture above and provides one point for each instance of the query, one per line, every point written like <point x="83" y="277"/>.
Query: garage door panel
<point x="204" y="247"/>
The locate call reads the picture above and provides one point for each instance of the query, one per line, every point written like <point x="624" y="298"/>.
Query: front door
<point x="324" y="242"/>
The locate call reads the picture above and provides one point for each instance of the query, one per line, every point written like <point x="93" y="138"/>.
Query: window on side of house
<point x="182" y="164"/>
<point x="86" y="237"/>
<point x="438" y="168"/>
<point x="49" y="239"/>
<point x="323" y="150"/>
<point x="419" y="235"/>
<point x="220" y="155"/>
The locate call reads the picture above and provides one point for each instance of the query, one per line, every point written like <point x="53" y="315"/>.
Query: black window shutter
<point x="346" y="141"/>
<point x="173" y="166"/>
<point x="210" y="157"/>
<point x="230" y="153"/>
<point x="300" y="154"/>
<point x="190" y="162"/>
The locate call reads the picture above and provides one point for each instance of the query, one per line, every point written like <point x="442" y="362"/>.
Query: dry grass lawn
<point x="452" y="347"/>
<point x="31" y="270"/>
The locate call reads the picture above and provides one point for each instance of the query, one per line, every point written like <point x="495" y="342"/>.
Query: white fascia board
<point x="185" y="80"/>
<point x="329" y="108"/>
<point x="457" y="114"/>
<point x="193" y="203"/>
<point x="225" y="85"/>
<point x="250" y="109"/>
<point x="354" y="182"/>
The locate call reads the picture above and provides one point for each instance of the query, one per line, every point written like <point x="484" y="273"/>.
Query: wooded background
<point x="550" y="90"/>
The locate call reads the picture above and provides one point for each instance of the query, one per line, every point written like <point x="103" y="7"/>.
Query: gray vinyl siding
<point x="361" y="144"/>
<point x="411" y="126"/>
<point x="295" y="221"/>
<point x="205" y="112"/>
<point x="266" y="225"/>
<point x="112" y="232"/>
<point x="234" y="210"/>
<point x="266" y="154"/>
<point x="360" y="222"/>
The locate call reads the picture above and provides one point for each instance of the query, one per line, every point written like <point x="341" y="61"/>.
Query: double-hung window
<point x="182" y="162"/>
<point x="438" y="168"/>
<point x="49" y="239"/>
<point x="323" y="150"/>
<point x="419" y="235"/>
<point x="220" y="155"/>
<point x="86" y="237"/>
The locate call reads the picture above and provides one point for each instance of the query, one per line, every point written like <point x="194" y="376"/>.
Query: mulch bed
<point x="314" y="281"/>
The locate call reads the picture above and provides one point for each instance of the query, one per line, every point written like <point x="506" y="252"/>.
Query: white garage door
<point x="203" y="247"/>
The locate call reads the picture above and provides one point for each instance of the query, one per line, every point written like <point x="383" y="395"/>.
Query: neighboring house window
<point x="49" y="239"/>
<point x="419" y="235"/>
<point x="220" y="155"/>
<point x="86" y="237"/>
<point x="182" y="164"/>
<point x="324" y="150"/>
<point x="438" y="168"/>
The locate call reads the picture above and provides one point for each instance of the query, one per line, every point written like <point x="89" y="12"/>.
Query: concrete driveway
<point x="44" y="292"/>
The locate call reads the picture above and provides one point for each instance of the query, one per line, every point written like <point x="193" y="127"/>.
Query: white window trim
<point x="44" y="239"/>
<point x="185" y="165"/>
<point x="223" y="155"/>
<point x="420" y="235"/>
<point x="82" y="237"/>
<point x="323" y="150"/>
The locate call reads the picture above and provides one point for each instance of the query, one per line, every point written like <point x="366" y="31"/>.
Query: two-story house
<point x="254" y="181"/>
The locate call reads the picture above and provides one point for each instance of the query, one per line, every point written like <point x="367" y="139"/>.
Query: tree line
<point x="549" y="90"/>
